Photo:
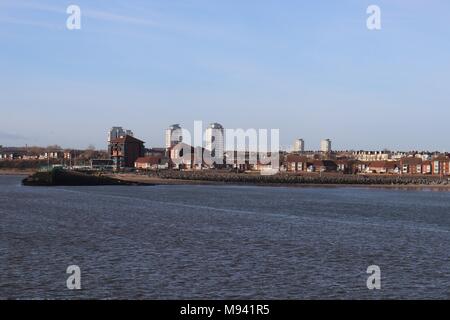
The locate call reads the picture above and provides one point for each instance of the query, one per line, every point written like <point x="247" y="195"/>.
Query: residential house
<point x="52" y="155"/>
<point x="440" y="165"/>
<point x="268" y="163"/>
<point x="69" y="155"/>
<point x="156" y="152"/>
<point x="241" y="160"/>
<point x="322" y="166"/>
<point x="151" y="163"/>
<point x="295" y="163"/>
<point x="372" y="155"/>
<point x="426" y="167"/>
<point x="186" y="157"/>
<point x="346" y="166"/>
<point x="410" y="165"/>
<point x="383" y="167"/>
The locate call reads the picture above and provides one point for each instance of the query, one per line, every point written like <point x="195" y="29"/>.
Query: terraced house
<point x="440" y="165"/>
<point x="411" y="165"/>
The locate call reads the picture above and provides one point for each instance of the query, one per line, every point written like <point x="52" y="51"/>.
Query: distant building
<point x="69" y="155"/>
<point x="325" y="145"/>
<point x="181" y="156"/>
<point x="240" y="160"/>
<point x="28" y="157"/>
<point x="295" y="163"/>
<point x="372" y="155"/>
<point x="151" y="163"/>
<point x="52" y="155"/>
<point x="346" y="166"/>
<point x="424" y="156"/>
<point x="440" y="165"/>
<point x="174" y="135"/>
<point x="125" y="150"/>
<point x="158" y="152"/>
<point x="102" y="164"/>
<point x="426" y="167"/>
<point x="299" y="145"/>
<point x="117" y="132"/>
<point x="184" y="156"/>
<point x="215" y="141"/>
<point x="383" y="167"/>
<point x="398" y="155"/>
<point x="9" y="156"/>
<point x="411" y="165"/>
<point x="322" y="166"/>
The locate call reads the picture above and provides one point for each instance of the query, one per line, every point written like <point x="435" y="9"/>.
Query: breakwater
<point x="286" y="178"/>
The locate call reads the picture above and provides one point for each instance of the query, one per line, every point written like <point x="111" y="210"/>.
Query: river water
<point x="222" y="242"/>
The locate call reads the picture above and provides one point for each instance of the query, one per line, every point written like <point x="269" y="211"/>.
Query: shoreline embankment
<point x="287" y="180"/>
<point x="173" y="177"/>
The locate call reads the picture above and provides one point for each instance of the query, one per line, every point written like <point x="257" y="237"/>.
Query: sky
<point x="311" y="69"/>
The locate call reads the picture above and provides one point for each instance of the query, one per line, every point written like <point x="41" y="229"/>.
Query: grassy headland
<point x="59" y="177"/>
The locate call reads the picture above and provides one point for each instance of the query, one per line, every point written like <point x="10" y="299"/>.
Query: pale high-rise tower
<point x="299" y="145"/>
<point x="174" y="135"/>
<point x="117" y="132"/>
<point x="215" y="140"/>
<point x="325" y="145"/>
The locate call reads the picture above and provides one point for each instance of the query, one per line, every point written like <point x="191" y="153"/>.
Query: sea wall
<point x="284" y="178"/>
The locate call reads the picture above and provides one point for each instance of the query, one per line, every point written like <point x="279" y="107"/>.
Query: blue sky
<point x="310" y="68"/>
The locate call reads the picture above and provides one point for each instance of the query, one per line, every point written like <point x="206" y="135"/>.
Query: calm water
<point x="222" y="242"/>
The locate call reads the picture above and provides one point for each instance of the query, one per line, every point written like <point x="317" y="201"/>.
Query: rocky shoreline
<point x="288" y="179"/>
<point x="61" y="177"/>
<point x="285" y="180"/>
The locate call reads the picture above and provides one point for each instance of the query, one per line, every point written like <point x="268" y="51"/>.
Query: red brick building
<point x="322" y="166"/>
<point x="426" y="167"/>
<point x="125" y="150"/>
<point x="383" y="167"/>
<point x="440" y="165"/>
<point x="347" y="166"/>
<point x="151" y="162"/>
<point x="411" y="165"/>
<point x="295" y="163"/>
